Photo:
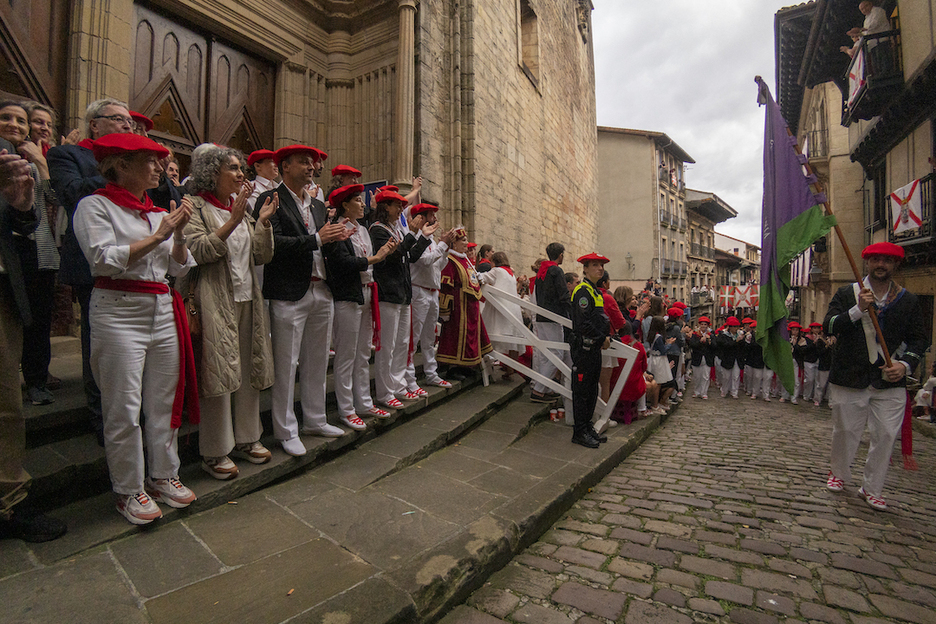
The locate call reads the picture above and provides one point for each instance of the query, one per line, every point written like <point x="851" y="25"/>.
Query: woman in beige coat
<point x="236" y="360"/>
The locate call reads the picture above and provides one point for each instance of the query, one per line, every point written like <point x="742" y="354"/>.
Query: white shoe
<point x="171" y="492"/>
<point x="294" y="447"/>
<point x="138" y="508"/>
<point x="354" y="422"/>
<point x="221" y="468"/>
<point x="325" y="431"/>
<point x="441" y="383"/>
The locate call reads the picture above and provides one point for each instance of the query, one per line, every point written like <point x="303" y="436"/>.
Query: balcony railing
<point x="874" y="76"/>
<point x="924" y="232"/>
<point x="817" y="144"/>
<point x="683" y="268"/>
<point x="665" y="217"/>
<point x="682" y="224"/>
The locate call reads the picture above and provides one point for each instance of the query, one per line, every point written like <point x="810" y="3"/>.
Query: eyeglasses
<point x="116" y="119"/>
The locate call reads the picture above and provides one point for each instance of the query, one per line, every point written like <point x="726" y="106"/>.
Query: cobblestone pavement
<point x="723" y="516"/>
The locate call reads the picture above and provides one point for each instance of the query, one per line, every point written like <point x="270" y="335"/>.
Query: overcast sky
<point x="686" y="68"/>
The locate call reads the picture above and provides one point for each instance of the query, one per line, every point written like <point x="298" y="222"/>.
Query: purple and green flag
<point x="792" y="219"/>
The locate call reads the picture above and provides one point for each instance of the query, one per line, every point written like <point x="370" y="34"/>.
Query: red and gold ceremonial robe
<point x="464" y="339"/>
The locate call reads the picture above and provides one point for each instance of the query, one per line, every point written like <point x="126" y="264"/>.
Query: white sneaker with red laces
<point x="873" y="501"/>
<point x="379" y="413"/>
<point x="170" y="491"/>
<point x="353" y="421"/>
<point x="441" y="383"/>
<point x="419" y="392"/>
<point x="393" y="403"/>
<point x="138" y="508"/>
<point x="834" y="483"/>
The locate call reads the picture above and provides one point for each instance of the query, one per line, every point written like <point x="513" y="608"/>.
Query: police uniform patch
<point x="583" y="302"/>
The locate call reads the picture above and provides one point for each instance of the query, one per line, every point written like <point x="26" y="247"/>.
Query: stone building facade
<point x="492" y="102"/>
<point x="704" y="211"/>
<point x="643" y="212"/>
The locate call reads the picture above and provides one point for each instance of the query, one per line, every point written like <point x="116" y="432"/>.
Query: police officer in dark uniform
<point x="590" y="334"/>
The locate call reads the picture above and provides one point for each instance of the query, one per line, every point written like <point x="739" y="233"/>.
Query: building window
<point x="528" y="41"/>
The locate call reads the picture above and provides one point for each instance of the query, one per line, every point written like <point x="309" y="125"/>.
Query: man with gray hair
<point x="74" y="174"/>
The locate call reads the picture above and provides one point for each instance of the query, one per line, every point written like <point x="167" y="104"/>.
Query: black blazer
<point x="288" y="275"/>
<point x="552" y="293"/>
<point x="343" y="271"/>
<point x="74" y="174"/>
<point x="702" y="350"/>
<point x="24" y="223"/>
<point x="729" y="349"/>
<point x="393" y="274"/>
<point x="901" y="323"/>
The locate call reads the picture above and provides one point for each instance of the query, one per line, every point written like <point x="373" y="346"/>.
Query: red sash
<point x="125" y="199"/>
<point x="187" y="386"/>
<point x="214" y="201"/>
<point x="375" y="315"/>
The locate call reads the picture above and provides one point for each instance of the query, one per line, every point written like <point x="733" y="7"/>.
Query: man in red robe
<point x="464" y="340"/>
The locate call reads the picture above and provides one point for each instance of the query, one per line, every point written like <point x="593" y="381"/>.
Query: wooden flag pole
<point x="848" y="254"/>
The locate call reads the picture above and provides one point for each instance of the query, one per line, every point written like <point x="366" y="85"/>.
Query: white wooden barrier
<point x="498" y="298"/>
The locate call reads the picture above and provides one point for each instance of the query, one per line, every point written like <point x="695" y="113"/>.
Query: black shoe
<point x="545" y="397"/>
<point x="586" y="439"/>
<point x="32" y="527"/>
<point x="598" y="436"/>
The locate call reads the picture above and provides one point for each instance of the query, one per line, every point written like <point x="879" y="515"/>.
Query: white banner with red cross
<point x="726" y="296"/>
<point x="746" y="296"/>
<point x="906" y="207"/>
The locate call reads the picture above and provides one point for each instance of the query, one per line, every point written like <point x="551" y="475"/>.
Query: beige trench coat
<point x="219" y="371"/>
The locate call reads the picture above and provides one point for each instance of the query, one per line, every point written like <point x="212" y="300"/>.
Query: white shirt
<point x="876" y="21"/>
<point x="363" y="248"/>
<point x="261" y="185"/>
<point x="238" y="255"/>
<point x="427" y="271"/>
<point x="305" y="209"/>
<point x="105" y="231"/>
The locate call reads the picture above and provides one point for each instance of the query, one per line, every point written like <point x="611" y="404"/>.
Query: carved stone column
<point x="291" y="93"/>
<point x="406" y="96"/>
<point x="339" y="86"/>
<point x="100" y="54"/>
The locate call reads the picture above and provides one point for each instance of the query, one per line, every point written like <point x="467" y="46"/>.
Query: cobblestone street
<point x="723" y="516"/>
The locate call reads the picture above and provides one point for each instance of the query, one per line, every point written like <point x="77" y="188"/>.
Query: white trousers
<point x="748" y="379"/>
<point x="882" y="411"/>
<point x="822" y="382"/>
<point x="809" y="379"/>
<point x="761" y="379"/>
<point x="301" y="333"/>
<point x="797" y="387"/>
<point x="135" y="360"/>
<point x="701" y="376"/>
<point x="352" y="353"/>
<point x="220" y="427"/>
<point x="552" y="332"/>
<point x="425" y="311"/>
<point x="390" y="361"/>
<point x="730" y="379"/>
<point x="719" y="373"/>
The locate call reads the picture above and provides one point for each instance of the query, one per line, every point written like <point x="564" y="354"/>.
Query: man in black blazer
<point x="300" y="302"/>
<point x="863" y="390"/>
<point x="16" y="218"/>
<point x="74" y="175"/>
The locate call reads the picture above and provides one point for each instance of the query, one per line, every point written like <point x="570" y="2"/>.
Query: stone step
<point x="386" y="447"/>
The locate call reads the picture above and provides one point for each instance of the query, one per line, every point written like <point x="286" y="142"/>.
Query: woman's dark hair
<point x="382" y="212"/>
<point x="499" y="259"/>
<point x="340" y="210"/>
<point x="626" y="329"/>
<point x="657" y="326"/>
<point x="484" y="249"/>
<point x="605" y="279"/>
<point x="656" y="306"/>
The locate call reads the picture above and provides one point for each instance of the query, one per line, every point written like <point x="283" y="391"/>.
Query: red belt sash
<point x="187" y="386"/>
<point x="375" y="314"/>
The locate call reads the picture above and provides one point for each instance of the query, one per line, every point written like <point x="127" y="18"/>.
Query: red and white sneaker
<point x="419" y="392"/>
<point x="138" y="508"/>
<point x="873" y="501"/>
<point x="353" y="421"/>
<point x="410" y="396"/>
<point x="170" y="491"/>
<point x="834" y="483"/>
<point x="441" y="383"/>
<point x="393" y="403"/>
<point x="379" y="413"/>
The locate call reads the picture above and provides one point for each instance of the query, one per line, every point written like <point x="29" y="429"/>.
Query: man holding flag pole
<point x="867" y="388"/>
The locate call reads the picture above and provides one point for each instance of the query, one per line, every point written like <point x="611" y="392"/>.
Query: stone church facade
<point x="492" y="102"/>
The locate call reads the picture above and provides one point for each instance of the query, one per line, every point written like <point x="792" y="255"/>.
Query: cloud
<point x="686" y="68"/>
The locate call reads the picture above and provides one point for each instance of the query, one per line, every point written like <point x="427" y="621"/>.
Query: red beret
<point x="341" y="195"/>
<point x="259" y="155"/>
<point x="122" y="143"/>
<point x="389" y="187"/>
<point x="883" y="249"/>
<point x="753" y="324"/>
<point x="819" y="325"/>
<point x="705" y="319"/>
<point x="732" y="321"/>
<point x="674" y="312"/>
<point x="421" y="208"/>
<point x="593" y="257"/>
<point x="680" y="305"/>
<point x="472" y="245"/>
<point x="747" y="320"/>
<point x="142" y="119"/>
<point x="285" y="152"/>
<point x="793" y="325"/>
<point x="345" y="170"/>
<point x="321" y="155"/>
<point x="389" y="196"/>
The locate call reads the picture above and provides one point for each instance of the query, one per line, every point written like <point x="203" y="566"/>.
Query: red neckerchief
<point x="508" y="269"/>
<point x="214" y="201"/>
<point x="86" y="143"/>
<point x="544" y="266"/>
<point x="125" y="199"/>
